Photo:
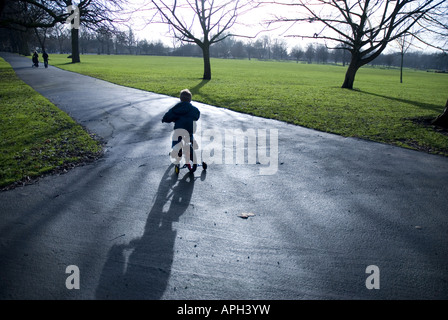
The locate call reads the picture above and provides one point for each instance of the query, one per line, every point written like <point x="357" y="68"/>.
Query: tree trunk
<point x="75" y="45"/>
<point x="401" y="67"/>
<point x="40" y="40"/>
<point x="207" y="67"/>
<point x="442" y="120"/>
<point x="19" y="42"/>
<point x="350" y="74"/>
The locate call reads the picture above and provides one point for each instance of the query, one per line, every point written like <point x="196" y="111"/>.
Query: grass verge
<point x="36" y="137"/>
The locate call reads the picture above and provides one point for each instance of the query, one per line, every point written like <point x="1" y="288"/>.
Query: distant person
<point x="35" y="59"/>
<point x="183" y="114"/>
<point x="45" y="57"/>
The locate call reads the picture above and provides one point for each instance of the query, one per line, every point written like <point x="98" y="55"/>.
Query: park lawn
<point x="35" y="136"/>
<point x="380" y="108"/>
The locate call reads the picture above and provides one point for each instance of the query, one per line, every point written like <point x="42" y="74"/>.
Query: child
<point x="183" y="114"/>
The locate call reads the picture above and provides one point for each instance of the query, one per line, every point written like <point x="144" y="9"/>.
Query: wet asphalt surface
<point x="324" y="208"/>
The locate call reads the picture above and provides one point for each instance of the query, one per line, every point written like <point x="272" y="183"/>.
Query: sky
<point x="251" y="23"/>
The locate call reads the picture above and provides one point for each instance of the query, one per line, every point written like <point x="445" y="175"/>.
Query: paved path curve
<point x="330" y="208"/>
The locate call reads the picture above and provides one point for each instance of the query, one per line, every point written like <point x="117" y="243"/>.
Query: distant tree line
<point x="21" y="18"/>
<point x="103" y="41"/>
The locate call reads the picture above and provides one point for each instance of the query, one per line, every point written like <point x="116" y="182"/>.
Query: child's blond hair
<point x="185" y="95"/>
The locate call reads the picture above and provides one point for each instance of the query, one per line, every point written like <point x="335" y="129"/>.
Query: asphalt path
<point x="324" y="207"/>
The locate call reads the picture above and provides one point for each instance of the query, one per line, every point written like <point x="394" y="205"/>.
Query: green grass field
<point x="35" y="136"/>
<point x="380" y="108"/>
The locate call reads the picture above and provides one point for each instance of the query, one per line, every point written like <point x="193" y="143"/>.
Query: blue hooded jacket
<point x="182" y="114"/>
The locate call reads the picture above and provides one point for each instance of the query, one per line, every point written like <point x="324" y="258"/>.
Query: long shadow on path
<point x="141" y="269"/>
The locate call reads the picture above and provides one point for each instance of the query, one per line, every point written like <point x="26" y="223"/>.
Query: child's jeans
<point x="174" y="142"/>
<point x="179" y="154"/>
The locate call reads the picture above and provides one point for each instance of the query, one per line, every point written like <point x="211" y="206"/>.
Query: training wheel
<point x="204" y="166"/>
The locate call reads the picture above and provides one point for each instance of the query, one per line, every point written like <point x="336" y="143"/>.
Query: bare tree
<point x="29" y="14"/>
<point x="41" y="35"/>
<point x="202" y="22"/>
<point x="365" y="27"/>
<point x="437" y="23"/>
<point x="61" y="34"/>
<point x="309" y="52"/>
<point x="93" y="14"/>
<point x="403" y="43"/>
<point x="32" y="14"/>
<point x="297" y="53"/>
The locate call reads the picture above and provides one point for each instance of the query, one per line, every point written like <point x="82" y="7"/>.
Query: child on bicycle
<point x="183" y="114"/>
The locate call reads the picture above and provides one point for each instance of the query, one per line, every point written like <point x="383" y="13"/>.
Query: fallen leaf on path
<point x="245" y="215"/>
